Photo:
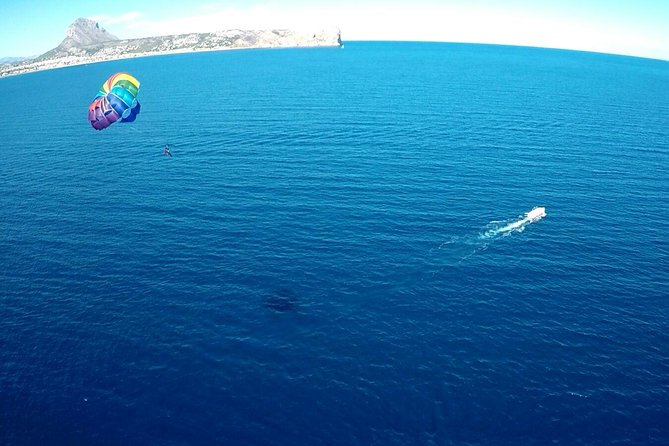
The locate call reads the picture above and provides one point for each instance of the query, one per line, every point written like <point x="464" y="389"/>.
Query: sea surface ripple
<point x="312" y="265"/>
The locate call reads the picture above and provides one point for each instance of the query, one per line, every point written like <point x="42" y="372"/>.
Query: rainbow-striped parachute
<point x="116" y="100"/>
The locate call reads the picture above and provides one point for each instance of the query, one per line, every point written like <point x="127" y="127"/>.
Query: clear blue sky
<point x="633" y="27"/>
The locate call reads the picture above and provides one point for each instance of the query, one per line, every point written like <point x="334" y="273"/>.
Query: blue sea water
<point x="322" y="260"/>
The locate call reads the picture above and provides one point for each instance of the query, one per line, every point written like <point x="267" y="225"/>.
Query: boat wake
<point x="466" y="246"/>
<point x="503" y="228"/>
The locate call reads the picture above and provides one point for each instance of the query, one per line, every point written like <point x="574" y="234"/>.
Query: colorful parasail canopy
<point x="116" y="100"/>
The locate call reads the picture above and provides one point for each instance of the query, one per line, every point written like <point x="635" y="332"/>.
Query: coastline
<point x="59" y="63"/>
<point x="68" y="56"/>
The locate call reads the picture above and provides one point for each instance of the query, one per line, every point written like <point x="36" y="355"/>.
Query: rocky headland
<point x="87" y="42"/>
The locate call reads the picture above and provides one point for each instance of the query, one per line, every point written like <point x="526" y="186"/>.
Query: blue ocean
<point x="338" y="252"/>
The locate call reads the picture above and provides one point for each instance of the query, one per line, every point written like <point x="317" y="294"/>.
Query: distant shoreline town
<point x="86" y="42"/>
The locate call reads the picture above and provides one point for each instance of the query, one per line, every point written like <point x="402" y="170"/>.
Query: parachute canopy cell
<point x="116" y="101"/>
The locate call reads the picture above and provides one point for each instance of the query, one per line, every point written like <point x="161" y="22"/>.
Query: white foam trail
<point x="532" y="216"/>
<point x="465" y="246"/>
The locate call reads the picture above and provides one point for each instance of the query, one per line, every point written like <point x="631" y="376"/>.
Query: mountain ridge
<point x="87" y="42"/>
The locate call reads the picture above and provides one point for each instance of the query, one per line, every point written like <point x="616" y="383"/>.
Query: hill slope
<point x="87" y="42"/>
